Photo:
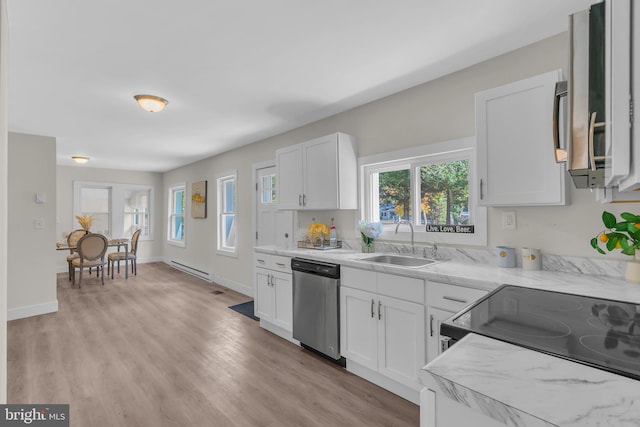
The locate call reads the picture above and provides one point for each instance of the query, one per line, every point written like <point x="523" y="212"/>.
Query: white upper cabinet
<point x="516" y="166"/>
<point x="318" y="174"/>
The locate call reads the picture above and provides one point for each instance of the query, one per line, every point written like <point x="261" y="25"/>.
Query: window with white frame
<point x="432" y="187"/>
<point x="177" y="214"/>
<point x="117" y="210"/>
<point x="226" y="185"/>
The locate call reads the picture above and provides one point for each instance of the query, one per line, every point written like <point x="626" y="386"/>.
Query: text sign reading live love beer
<point x="443" y="228"/>
<point x="34" y="415"/>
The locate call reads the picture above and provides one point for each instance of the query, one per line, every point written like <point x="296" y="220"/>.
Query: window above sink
<point x="432" y="186"/>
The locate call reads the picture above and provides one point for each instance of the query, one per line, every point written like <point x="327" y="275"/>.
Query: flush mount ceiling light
<point x="151" y="103"/>
<point x="80" y="159"/>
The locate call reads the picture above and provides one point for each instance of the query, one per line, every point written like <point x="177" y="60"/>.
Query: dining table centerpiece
<point x="369" y="232"/>
<point x="85" y="221"/>
<point x="621" y="235"/>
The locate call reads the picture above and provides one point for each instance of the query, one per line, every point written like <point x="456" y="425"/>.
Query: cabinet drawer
<point x="406" y="288"/>
<point x="358" y="279"/>
<point x="272" y="262"/>
<point x="451" y="297"/>
<point x="262" y="260"/>
<point x="281" y="263"/>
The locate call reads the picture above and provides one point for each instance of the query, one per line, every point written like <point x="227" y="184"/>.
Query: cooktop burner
<point x="598" y="332"/>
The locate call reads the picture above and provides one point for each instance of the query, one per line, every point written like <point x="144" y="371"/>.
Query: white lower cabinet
<point x="383" y="334"/>
<point x="443" y="301"/>
<point x="274" y="293"/>
<point x="437" y="410"/>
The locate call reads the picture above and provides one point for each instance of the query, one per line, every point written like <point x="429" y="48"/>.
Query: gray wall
<point x="436" y="111"/>
<point x="31" y="260"/>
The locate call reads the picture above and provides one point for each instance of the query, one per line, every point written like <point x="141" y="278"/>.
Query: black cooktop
<point x="598" y="332"/>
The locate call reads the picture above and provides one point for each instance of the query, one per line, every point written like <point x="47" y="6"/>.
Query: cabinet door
<point x="401" y="340"/>
<point x="359" y="327"/>
<point x="321" y="173"/>
<point x="289" y="177"/>
<point x="282" y="300"/>
<point x="264" y="294"/>
<point x="516" y="166"/>
<point x="434" y="317"/>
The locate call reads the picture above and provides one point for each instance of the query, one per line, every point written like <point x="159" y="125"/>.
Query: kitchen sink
<point x="403" y="261"/>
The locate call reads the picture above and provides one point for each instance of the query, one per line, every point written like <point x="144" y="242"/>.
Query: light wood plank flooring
<point x="163" y="349"/>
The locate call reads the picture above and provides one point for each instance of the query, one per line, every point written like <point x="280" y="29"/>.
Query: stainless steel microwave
<point x="585" y="89"/>
<point x="601" y="127"/>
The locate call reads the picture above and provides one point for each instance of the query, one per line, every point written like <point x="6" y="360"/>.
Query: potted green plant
<point x="623" y="235"/>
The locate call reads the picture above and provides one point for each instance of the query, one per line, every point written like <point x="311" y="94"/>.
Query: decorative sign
<point x="454" y="228"/>
<point x="199" y="199"/>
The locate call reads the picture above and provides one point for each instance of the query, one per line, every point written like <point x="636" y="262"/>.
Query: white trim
<point x="32" y="310"/>
<point x="235" y="286"/>
<point x="221" y="248"/>
<point x="180" y="243"/>
<point x="383" y="381"/>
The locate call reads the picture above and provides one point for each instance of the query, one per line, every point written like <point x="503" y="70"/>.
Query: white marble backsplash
<point x="487" y="256"/>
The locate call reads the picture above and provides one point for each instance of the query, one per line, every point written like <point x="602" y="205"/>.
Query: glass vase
<point x="368" y="247"/>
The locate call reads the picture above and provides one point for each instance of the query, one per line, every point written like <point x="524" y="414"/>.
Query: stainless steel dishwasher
<point x="316" y="313"/>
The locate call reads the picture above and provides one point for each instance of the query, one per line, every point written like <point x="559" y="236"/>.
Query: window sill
<point x="176" y="243"/>
<point x="229" y="253"/>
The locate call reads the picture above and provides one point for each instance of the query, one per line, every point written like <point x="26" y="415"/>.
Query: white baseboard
<point x="236" y="286"/>
<point x="393" y="386"/>
<point x="32" y="310"/>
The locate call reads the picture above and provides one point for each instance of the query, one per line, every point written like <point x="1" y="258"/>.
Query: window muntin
<point x="432" y="184"/>
<point x="268" y="189"/>
<point x="226" y="185"/>
<point x="176" y="215"/>
<point x="137" y="211"/>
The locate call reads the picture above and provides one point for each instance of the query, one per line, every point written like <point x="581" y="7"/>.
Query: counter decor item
<point x="505" y="256"/>
<point x="369" y="232"/>
<point x="531" y="259"/>
<point x="623" y="235"/>
<point x="85" y="221"/>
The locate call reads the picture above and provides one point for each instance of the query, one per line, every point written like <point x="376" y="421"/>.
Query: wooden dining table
<point x="62" y="246"/>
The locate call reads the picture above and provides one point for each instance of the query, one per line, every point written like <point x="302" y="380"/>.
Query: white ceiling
<point x="236" y="71"/>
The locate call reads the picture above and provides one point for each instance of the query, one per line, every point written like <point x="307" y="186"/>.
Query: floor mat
<point x="245" y="308"/>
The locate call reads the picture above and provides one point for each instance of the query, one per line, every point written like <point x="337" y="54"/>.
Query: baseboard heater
<point x="190" y="270"/>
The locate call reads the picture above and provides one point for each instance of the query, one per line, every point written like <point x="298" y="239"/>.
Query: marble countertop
<point x="531" y="389"/>
<point x="477" y="274"/>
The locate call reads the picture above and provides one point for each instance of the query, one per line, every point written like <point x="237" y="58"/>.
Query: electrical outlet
<point x="508" y="220"/>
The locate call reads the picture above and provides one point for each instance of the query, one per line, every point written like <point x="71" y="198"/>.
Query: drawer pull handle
<point x="372" y="302"/>
<point x="460" y="300"/>
<point x="379" y="310"/>
<point x="261" y="261"/>
<point x="280" y="264"/>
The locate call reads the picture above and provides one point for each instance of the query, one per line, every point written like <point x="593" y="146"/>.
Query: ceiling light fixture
<point x="151" y="103"/>
<point x="80" y="159"/>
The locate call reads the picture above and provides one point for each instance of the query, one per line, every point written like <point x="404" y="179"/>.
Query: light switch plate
<point x="41" y="198"/>
<point x="508" y="220"/>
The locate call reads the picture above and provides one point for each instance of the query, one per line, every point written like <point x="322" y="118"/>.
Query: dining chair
<point x="72" y="242"/>
<point x="91" y="250"/>
<point x="114" y="257"/>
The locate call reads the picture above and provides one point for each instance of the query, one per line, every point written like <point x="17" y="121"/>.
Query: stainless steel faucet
<point x="404" y="221"/>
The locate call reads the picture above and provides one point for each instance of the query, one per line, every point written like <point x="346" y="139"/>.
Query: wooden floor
<point x="163" y="349"/>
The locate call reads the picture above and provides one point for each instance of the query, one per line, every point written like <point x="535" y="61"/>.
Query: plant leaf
<point x="613" y="240"/>
<point x="608" y="219"/>
<point x="621" y="226"/>
<point x="630" y="217"/>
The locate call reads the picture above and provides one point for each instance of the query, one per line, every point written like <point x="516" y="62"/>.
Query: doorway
<point x="273" y="227"/>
